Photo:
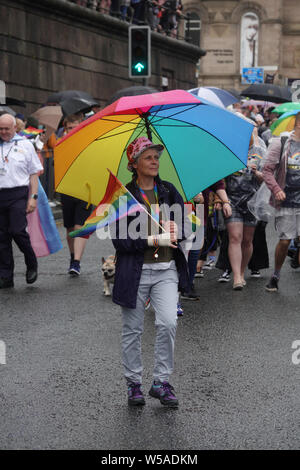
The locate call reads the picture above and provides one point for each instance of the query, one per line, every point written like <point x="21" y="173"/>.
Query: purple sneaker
<point x="135" y="394"/>
<point x="165" y="393"/>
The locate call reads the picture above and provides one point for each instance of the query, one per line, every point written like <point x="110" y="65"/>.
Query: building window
<point x="192" y="26"/>
<point x="249" y="40"/>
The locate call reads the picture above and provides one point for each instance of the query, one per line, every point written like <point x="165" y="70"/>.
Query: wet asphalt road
<point x="62" y="384"/>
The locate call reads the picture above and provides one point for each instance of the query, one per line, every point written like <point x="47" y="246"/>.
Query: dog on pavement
<point x="108" y="273"/>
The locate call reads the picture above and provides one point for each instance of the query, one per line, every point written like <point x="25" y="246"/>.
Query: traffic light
<point x="139" y="51"/>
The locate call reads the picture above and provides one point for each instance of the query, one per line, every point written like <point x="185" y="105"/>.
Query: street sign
<point x="252" y="75"/>
<point x="139" y="51"/>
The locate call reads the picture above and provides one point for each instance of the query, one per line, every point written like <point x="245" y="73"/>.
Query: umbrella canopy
<point x="203" y="143"/>
<point x="57" y="98"/>
<point x="215" y="95"/>
<point x="77" y="105"/>
<point x="15" y="102"/>
<point x="285" y="123"/>
<point x="7" y="109"/>
<point x="50" y="117"/>
<point x="264" y="104"/>
<point x="234" y="92"/>
<point x="286" y="107"/>
<point x="132" y="91"/>
<point x="268" y="92"/>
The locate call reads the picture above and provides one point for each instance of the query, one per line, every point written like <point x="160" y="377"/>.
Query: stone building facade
<point x="219" y="27"/>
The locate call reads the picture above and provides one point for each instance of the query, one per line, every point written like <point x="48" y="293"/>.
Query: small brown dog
<point x="108" y="273"/>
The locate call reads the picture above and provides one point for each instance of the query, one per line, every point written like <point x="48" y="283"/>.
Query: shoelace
<point x="167" y="388"/>
<point x="135" y="389"/>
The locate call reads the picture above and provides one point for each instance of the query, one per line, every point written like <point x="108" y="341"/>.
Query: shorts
<point x="247" y="218"/>
<point x="74" y="211"/>
<point x="288" y="226"/>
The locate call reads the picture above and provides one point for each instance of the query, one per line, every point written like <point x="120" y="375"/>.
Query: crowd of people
<point x="161" y="15"/>
<point x="160" y="270"/>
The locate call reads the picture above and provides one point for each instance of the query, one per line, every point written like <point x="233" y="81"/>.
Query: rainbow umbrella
<point x="203" y="143"/>
<point x="285" y="123"/>
<point x="287" y="107"/>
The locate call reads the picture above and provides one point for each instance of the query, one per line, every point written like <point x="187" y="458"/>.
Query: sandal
<point x="238" y="286"/>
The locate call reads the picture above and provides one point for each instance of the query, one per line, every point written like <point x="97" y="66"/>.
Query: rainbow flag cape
<point x="30" y="132"/>
<point x="121" y="203"/>
<point x="42" y="230"/>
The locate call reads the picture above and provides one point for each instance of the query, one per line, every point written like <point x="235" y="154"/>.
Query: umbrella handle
<point x="147" y="124"/>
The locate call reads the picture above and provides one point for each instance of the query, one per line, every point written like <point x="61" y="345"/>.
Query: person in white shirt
<point x="19" y="167"/>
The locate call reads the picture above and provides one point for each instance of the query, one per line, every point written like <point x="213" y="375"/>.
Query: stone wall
<point x="51" y="45"/>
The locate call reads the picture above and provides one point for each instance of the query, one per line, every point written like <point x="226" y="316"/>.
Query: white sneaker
<point x="209" y="264"/>
<point x="200" y="273"/>
<point x="225" y="277"/>
<point x="255" y="274"/>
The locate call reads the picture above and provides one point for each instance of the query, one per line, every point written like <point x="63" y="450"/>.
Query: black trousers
<point x="13" y="223"/>
<point x="260" y="255"/>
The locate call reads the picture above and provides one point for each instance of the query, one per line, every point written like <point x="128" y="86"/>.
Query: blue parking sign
<point x="252" y="75"/>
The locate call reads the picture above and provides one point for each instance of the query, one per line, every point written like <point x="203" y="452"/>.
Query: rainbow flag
<point x="30" y="132"/>
<point x="121" y="203"/>
<point x="44" y="236"/>
<point x="195" y="221"/>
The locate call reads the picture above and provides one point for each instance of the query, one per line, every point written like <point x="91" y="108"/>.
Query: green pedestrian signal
<point x="139" y="67"/>
<point x="139" y="51"/>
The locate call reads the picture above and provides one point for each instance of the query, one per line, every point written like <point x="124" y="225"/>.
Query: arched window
<point x="192" y="26"/>
<point x="249" y="40"/>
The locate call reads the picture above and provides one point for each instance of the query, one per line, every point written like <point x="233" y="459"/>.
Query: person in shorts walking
<point x="75" y="212"/>
<point x="281" y="173"/>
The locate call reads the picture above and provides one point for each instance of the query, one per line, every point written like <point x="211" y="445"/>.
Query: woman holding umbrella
<point x="152" y="267"/>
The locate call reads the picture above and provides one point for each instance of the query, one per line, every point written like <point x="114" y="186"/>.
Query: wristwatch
<point x="34" y="196"/>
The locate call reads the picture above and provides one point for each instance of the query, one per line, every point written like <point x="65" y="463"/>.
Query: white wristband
<point x="164" y="239"/>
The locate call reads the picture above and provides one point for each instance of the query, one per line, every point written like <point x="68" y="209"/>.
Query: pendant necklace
<point x="155" y="214"/>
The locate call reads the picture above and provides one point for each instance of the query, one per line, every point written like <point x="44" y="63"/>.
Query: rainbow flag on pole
<point x="117" y="203"/>
<point x="30" y="132"/>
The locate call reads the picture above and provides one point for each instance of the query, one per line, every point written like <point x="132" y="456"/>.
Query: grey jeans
<point x="162" y="288"/>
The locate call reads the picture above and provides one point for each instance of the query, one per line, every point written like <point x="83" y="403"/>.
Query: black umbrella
<point x="15" y="101"/>
<point x="132" y="91"/>
<point x="57" y="98"/>
<point x="268" y="92"/>
<point x="77" y="105"/>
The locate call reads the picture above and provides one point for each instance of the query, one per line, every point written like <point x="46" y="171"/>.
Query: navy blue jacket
<point x="130" y="253"/>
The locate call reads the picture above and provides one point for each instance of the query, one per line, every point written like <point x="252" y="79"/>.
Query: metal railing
<point x="164" y="18"/>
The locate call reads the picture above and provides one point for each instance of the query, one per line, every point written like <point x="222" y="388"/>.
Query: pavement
<point x="236" y="373"/>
